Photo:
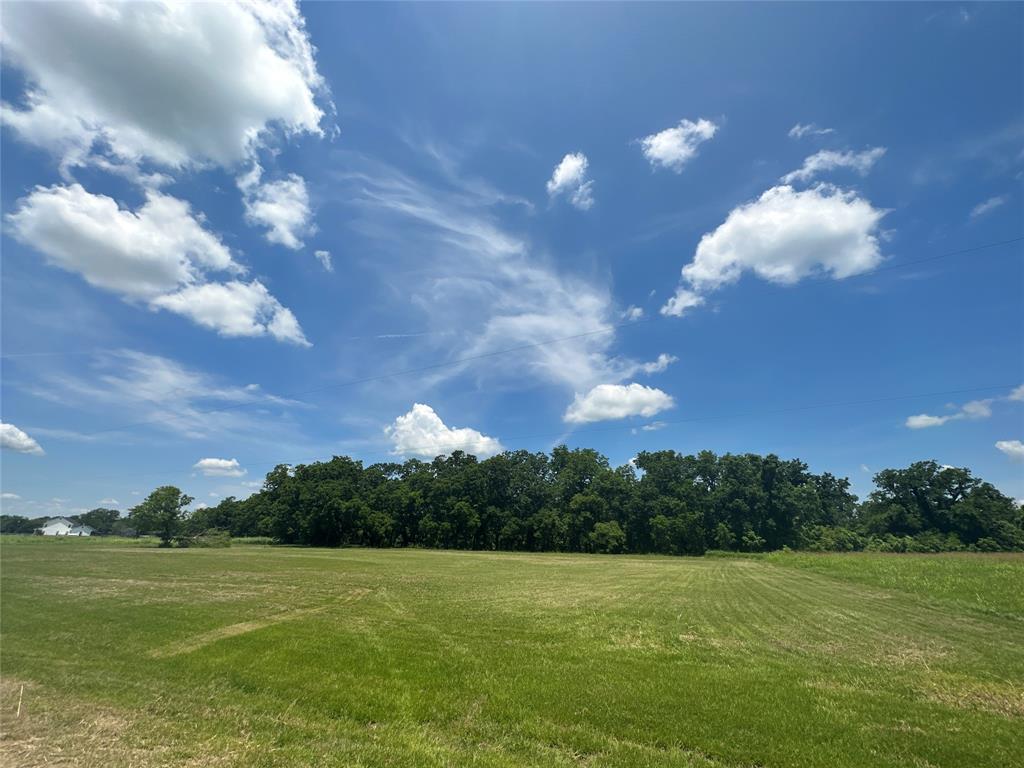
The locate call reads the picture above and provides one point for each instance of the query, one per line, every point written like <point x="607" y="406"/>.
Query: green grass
<point x="991" y="583"/>
<point x="262" y="656"/>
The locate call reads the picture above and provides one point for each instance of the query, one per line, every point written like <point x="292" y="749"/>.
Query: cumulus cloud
<point x="324" y="257"/>
<point x="9" y="496"/>
<point x="784" y="236"/>
<point x="110" y="502"/>
<point x="1017" y="394"/>
<point x="1014" y="449"/>
<point x="674" y="147"/>
<point x="987" y="206"/>
<point x="282" y="207"/>
<point x="235" y="309"/>
<point x="659" y="365"/>
<point x="420" y="432"/>
<point x="13" y="439"/>
<point x="570" y="179"/>
<point x="924" y="420"/>
<point x="828" y="160"/>
<point x="800" y="130"/>
<point x="138" y="254"/>
<point x="219" y="467"/>
<point x="632" y="313"/>
<point x="175" y="84"/>
<point x="617" y="401"/>
<point x="161" y="254"/>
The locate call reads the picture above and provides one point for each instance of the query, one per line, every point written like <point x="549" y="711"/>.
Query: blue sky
<point x="726" y="206"/>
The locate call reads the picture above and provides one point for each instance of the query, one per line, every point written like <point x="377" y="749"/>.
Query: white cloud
<point x="800" y="130"/>
<point x="1017" y="394"/>
<point x="138" y="255"/>
<point x="659" y="365"/>
<point x="784" y="236"/>
<point x="654" y="426"/>
<point x="161" y="254"/>
<point x="1012" y="448"/>
<point x="14" y="439"/>
<point x="570" y="178"/>
<point x="987" y="206"/>
<point x="827" y="160"/>
<point x="176" y="84"/>
<point x="975" y="409"/>
<point x="9" y="496"/>
<point x="219" y="467"/>
<point x="632" y="313"/>
<point x="674" y="147"/>
<point x="324" y="257"/>
<point x="110" y="502"/>
<point x="420" y="432"/>
<point x="282" y="207"/>
<point x="617" y="401"/>
<point x="924" y="420"/>
<point x="682" y="300"/>
<point x="235" y="309"/>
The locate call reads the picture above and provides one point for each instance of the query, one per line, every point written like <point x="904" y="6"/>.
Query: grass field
<point x="259" y="656"/>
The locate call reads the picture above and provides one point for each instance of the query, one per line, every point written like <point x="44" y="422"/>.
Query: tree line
<point x="572" y="500"/>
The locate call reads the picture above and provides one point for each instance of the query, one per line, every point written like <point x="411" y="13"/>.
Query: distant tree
<point x="19" y="524"/>
<point x="162" y="513"/>
<point x="100" y="519"/>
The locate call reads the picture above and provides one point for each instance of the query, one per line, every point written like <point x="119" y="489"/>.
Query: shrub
<point x="252" y="541"/>
<point x="212" y="537"/>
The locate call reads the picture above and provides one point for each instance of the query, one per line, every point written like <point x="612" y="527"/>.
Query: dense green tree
<point x="162" y="513"/>
<point x="573" y="500"/>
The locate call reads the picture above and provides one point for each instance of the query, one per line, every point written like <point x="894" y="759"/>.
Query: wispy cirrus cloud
<point x="477" y="286"/>
<point x="972" y="410"/>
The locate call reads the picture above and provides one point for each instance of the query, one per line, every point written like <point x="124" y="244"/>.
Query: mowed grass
<point x="992" y="583"/>
<point x="259" y="656"/>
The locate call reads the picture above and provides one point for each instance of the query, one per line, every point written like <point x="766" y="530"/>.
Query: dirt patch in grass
<point x="67" y="735"/>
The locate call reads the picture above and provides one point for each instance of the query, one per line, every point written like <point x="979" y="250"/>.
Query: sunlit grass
<point x="256" y="656"/>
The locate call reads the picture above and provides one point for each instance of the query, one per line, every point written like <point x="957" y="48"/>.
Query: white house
<point x="61" y="526"/>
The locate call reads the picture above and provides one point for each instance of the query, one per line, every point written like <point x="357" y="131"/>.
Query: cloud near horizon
<point x="420" y="432"/>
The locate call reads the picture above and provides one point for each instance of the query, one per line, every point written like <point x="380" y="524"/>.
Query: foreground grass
<point x="261" y="656"/>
